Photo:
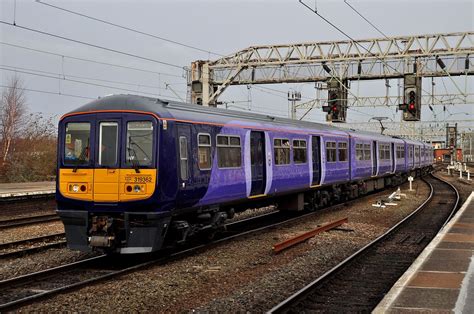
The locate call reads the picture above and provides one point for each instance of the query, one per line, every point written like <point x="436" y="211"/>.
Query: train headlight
<point x="75" y="188"/>
<point x="137" y="189"/>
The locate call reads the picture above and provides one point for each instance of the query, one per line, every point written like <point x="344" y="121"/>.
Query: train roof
<point x="168" y="109"/>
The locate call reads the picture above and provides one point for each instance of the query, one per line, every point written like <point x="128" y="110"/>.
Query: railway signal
<point x="337" y="101"/>
<point x="412" y="98"/>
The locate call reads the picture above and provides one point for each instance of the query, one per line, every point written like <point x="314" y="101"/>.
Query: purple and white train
<point x="136" y="174"/>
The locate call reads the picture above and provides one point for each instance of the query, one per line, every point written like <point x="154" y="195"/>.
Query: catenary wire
<point x="90" y="60"/>
<point x="86" y="83"/>
<point x="90" y="45"/>
<point x="396" y="44"/>
<point x="62" y="75"/>
<point x="49" y="92"/>
<point x="128" y="28"/>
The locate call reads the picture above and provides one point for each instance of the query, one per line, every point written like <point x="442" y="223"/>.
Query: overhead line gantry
<point x="432" y="55"/>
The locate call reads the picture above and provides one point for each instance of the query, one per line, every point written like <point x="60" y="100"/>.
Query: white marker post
<point x="460" y="174"/>
<point x="410" y="179"/>
<point x="468" y="176"/>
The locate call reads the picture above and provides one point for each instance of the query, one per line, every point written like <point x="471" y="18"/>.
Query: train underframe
<point x="144" y="232"/>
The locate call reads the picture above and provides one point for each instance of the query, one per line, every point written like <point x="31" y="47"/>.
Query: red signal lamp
<point x="411" y="107"/>
<point x="334" y="108"/>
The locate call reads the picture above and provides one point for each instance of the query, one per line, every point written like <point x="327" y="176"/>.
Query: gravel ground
<point x="30" y="231"/>
<point x="26" y="208"/>
<point x="13" y="267"/>
<point x="464" y="187"/>
<point x="244" y="274"/>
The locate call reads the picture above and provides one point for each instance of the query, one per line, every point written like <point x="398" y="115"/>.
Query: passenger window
<point x="204" y="151"/>
<point x="76" y="143"/>
<point x="331" y="151"/>
<point x="229" y="152"/>
<point x="281" y="149"/>
<point x="342" y="150"/>
<point x="367" y="152"/>
<point x="139" y="143"/>
<point x="359" y="152"/>
<point x="183" y="157"/>
<point x="299" y="151"/>
<point x="384" y="151"/>
<point x="108" y="138"/>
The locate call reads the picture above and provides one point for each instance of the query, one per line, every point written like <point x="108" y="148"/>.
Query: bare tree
<point x="12" y="112"/>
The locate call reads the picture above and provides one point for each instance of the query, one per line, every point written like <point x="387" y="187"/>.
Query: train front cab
<point x="107" y="182"/>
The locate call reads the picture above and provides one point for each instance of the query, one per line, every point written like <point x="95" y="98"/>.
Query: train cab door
<point x="374" y="158"/>
<point x="185" y="169"/>
<point x="257" y="163"/>
<point x="316" y="149"/>
<point x="107" y="173"/>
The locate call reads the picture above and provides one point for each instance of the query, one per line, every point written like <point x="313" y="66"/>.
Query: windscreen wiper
<point x="139" y="147"/>
<point x="134" y="159"/>
<point x="81" y="158"/>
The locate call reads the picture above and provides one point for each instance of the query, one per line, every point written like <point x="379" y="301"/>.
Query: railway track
<point x="29" y="288"/>
<point x="32" y="245"/>
<point x="359" y="282"/>
<point x="24" y="221"/>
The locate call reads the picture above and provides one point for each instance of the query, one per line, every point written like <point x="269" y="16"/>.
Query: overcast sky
<point x="223" y="27"/>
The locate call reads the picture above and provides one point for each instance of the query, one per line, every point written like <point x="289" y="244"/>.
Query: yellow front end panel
<point x="137" y="186"/>
<point x="77" y="185"/>
<point x="106" y="185"/>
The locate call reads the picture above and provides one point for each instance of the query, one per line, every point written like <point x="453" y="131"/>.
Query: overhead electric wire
<point x="86" y="83"/>
<point x="128" y="28"/>
<point x="62" y="75"/>
<point x="396" y="44"/>
<point x="90" y="45"/>
<point x="48" y="92"/>
<point x="90" y="60"/>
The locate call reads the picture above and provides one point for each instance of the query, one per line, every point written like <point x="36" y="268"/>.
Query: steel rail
<point x="293" y="299"/>
<point x="32" y="241"/>
<point x="232" y="232"/>
<point x="19" y="222"/>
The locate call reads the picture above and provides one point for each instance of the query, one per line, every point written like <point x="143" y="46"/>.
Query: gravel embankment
<point x="244" y="274"/>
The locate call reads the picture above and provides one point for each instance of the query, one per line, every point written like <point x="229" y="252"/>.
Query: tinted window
<point x="76" y="143"/>
<point x="204" y="151"/>
<point x="299" y="151"/>
<point x="281" y="149"/>
<point x="229" y="154"/>
<point x="183" y="157"/>
<point x="367" y="152"/>
<point x="139" y="143"/>
<point x="331" y="152"/>
<point x="108" y="140"/>
<point x="342" y="148"/>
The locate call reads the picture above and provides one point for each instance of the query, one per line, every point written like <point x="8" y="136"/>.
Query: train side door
<point x="257" y="163"/>
<point x="374" y="158"/>
<point x="316" y="149"/>
<point x="393" y="157"/>
<point x="185" y="169"/>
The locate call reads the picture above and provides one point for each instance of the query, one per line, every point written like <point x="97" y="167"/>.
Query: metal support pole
<point x="206" y="89"/>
